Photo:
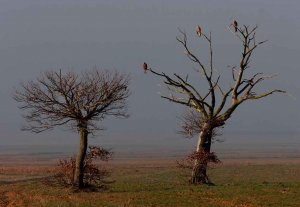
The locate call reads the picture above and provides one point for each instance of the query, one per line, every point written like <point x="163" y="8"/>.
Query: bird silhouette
<point x="235" y="25"/>
<point x="145" y="67"/>
<point x="198" y="30"/>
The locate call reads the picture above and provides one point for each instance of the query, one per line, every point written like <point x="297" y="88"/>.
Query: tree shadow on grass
<point x="53" y="182"/>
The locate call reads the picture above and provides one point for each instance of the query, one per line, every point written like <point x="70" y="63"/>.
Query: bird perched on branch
<point x="235" y="25"/>
<point x="198" y="30"/>
<point x="145" y="67"/>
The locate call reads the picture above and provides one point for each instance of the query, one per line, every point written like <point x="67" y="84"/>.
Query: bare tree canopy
<point x="56" y="99"/>
<point x="211" y="108"/>
<point x="79" y="101"/>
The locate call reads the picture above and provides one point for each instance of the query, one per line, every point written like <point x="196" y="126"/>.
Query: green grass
<point x="140" y="185"/>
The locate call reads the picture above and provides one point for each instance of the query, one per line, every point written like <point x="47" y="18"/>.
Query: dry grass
<point x="159" y="183"/>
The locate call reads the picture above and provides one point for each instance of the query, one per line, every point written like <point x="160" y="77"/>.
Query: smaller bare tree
<point x="76" y="101"/>
<point x="211" y="108"/>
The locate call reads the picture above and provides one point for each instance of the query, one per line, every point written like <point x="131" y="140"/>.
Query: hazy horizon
<point x="76" y="35"/>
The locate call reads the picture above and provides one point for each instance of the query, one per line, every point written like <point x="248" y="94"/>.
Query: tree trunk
<point x="199" y="173"/>
<point x="79" y="167"/>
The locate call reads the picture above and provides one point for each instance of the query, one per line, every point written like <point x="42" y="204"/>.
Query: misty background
<point x="41" y="35"/>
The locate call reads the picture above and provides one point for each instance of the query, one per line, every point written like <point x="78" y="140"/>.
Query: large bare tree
<point x="76" y="101"/>
<point x="211" y="108"/>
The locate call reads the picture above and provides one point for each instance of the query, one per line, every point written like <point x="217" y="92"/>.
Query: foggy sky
<point x="39" y="35"/>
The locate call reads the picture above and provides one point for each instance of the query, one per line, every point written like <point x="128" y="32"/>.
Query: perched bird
<point x="145" y="67"/>
<point x="235" y="25"/>
<point x="198" y="30"/>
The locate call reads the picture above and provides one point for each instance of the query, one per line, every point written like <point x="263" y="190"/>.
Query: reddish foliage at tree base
<point x="93" y="174"/>
<point x="200" y="157"/>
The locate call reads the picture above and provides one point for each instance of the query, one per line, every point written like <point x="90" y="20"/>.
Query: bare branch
<point x="253" y="97"/>
<point x="191" y="123"/>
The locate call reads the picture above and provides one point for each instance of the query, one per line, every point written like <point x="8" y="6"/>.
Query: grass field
<point x="158" y="183"/>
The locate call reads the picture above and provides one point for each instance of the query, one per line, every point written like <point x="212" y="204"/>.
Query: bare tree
<point x="211" y="108"/>
<point x="76" y="101"/>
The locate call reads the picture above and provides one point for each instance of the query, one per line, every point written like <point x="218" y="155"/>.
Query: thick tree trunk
<point x="79" y="167"/>
<point x="199" y="173"/>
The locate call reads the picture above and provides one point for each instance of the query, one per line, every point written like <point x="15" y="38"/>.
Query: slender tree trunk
<point x="199" y="173"/>
<point x="79" y="167"/>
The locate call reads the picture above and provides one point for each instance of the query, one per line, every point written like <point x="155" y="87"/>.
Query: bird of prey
<point x="198" y="30"/>
<point x="235" y="25"/>
<point x="145" y="67"/>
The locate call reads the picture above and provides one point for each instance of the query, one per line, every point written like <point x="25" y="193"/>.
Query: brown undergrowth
<point x="94" y="173"/>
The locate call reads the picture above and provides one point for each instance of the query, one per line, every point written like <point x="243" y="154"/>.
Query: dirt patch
<point x="4" y="200"/>
<point x="172" y="162"/>
<point x="261" y="161"/>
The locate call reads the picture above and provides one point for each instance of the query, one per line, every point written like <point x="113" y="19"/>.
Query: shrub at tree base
<point x="94" y="174"/>
<point x="201" y="157"/>
<point x="197" y="160"/>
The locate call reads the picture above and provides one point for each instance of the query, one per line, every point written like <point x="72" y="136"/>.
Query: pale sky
<point x="38" y="35"/>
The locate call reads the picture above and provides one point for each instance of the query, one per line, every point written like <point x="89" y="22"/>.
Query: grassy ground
<point x="159" y="184"/>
